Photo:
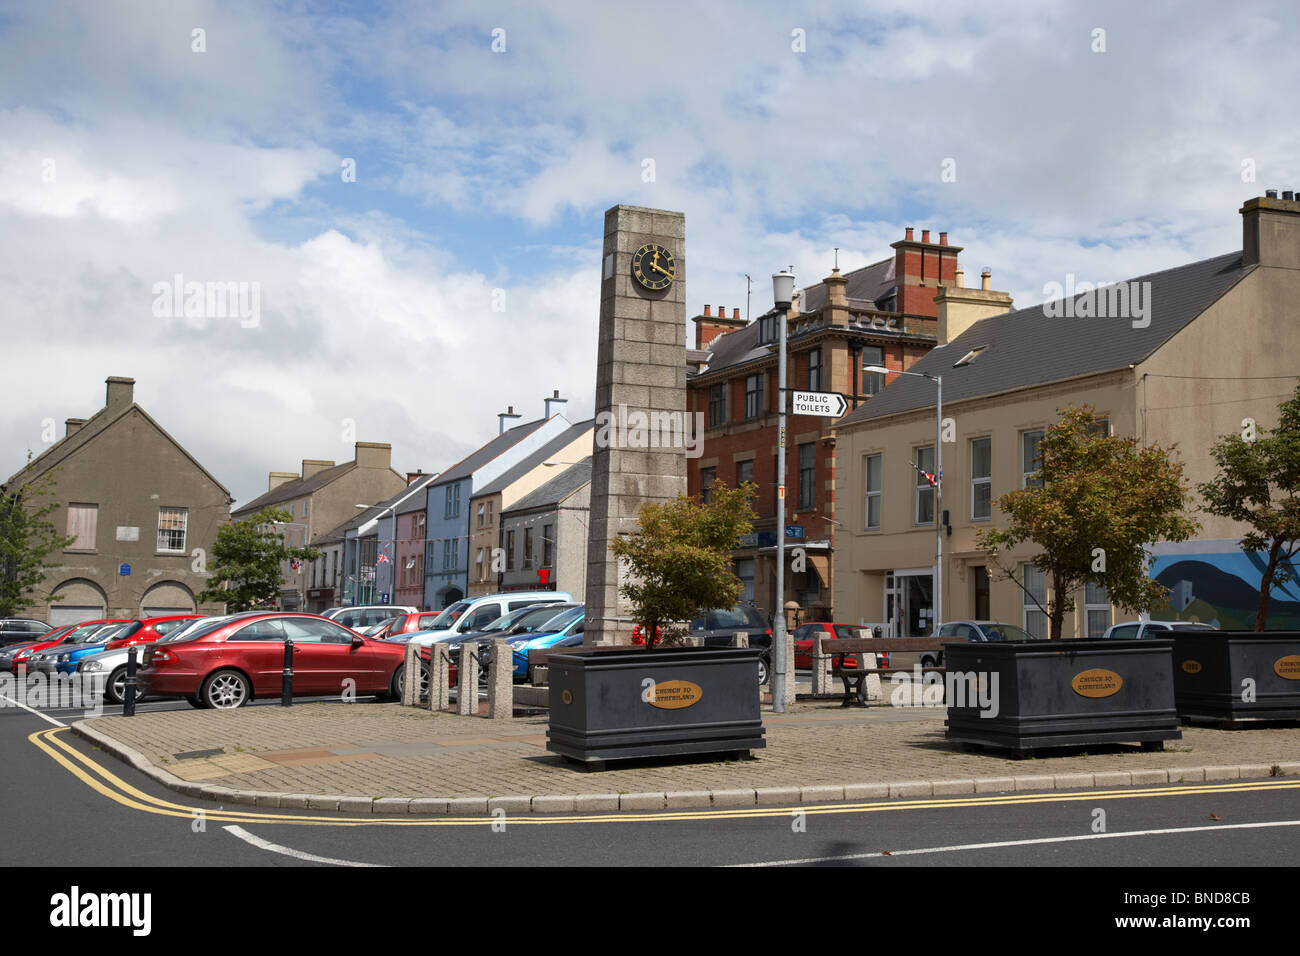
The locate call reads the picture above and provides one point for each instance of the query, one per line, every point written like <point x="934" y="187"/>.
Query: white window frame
<point x="185" y="524"/>
<point x="871" y="494"/>
<point x="1096" y="600"/>
<point x="922" y="486"/>
<point x="1030" y="609"/>
<point x="1028" y="477"/>
<point x="985" y="480"/>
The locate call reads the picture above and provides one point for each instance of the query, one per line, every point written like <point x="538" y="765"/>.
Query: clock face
<point x="653" y="266"/>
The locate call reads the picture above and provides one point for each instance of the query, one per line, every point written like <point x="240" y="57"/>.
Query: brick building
<point x="883" y="314"/>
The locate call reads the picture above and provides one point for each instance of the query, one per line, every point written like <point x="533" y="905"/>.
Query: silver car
<point x="106" y="671"/>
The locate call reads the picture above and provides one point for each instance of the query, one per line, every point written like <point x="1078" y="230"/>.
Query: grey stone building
<point x="143" y="512"/>
<point x="545" y="533"/>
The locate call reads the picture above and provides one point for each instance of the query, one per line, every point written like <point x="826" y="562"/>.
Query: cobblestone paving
<point x="385" y="750"/>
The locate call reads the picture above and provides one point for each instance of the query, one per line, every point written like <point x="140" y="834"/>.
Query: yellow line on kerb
<point x="110" y="785"/>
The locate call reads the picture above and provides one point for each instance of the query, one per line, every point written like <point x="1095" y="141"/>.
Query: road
<point x="77" y="806"/>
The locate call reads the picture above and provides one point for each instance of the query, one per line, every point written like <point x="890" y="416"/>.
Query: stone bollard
<point x="874" y="691"/>
<point x="501" y="681"/>
<point x="439" y="677"/>
<point x="467" y="680"/>
<point x="411" y="686"/>
<point x="821" y="667"/>
<point x="740" y="639"/>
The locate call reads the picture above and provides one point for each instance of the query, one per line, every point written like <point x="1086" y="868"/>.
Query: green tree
<point x="27" y="538"/>
<point x="678" y="562"/>
<point x="247" y="559"/>
<point x="1097" y="501"/>
<point x="1259" y="485"/>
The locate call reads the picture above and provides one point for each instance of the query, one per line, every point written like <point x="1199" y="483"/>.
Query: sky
<point x="410" y="197"/>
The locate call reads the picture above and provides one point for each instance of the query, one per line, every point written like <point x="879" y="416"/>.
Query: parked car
<point x="1137" y="630"/>
<point x="804" y="634"/>
<point x="144" y="631"/>
<point x="474" y="614"/>
<point x="408" y="623"/>
<point x="571" y="624"/>
<point x="46" y="661"/>
<point x="974" y="631"/>
<point x="367" y="615"/>
<point x="227" y="662"/>
<point x="76" y="634"/>
<point x="21" y="630"/>
<point x="10" y="651"/>
<point x="719" y="626"/>
<point x="519" y="625"/>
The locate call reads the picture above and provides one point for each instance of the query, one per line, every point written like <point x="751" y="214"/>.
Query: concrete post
<point x="439" y="678"/>
<point x="467" y="680"/>
<point x="790" y="684"/>
<point x="411" y="688"/>
<point x="501" y="683"/>
<point x="740" y="639"/>
<point x="821" y="666"/>
<point x="874" y="691"/>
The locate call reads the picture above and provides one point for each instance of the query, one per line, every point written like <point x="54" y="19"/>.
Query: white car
<point x="474" y="614"/>
<point x="1137" y="630"/>
<point x="367" y="615"/>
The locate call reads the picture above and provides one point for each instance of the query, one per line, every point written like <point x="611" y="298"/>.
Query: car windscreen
<point x="562" y="620"/>
<point x="93" y="635"/>
<point x="536" y="618"/>
<point x="448" y="617"/>
<point x="205" y="626"/>
<point x="738" y="618"/>
<point x="1006" y="632"/>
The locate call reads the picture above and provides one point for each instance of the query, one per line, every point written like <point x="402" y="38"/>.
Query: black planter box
<point x="1211" y="668"/>
<point x="706" y="701"/>
<point x="1063" y="693"/>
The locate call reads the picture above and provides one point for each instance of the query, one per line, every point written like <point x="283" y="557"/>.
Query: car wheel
<point x="398" y="685"/>
<point x="928" y="660"/>
<point x="226" y="690"/>
<point x="762" y="670"/>
<point x="115" y="689"/>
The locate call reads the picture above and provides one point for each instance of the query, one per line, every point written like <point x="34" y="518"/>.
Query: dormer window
<point x="768" y="329"/>
<point x="969" y="357"/>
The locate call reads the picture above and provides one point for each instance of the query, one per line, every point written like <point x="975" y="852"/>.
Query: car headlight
<point x="90" y="666"/>
<point x="64" y="658"/>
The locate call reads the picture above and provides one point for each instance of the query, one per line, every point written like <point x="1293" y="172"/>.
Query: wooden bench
<point x="855" y="677"/>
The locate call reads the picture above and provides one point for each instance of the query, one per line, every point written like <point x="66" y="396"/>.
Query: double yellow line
<point x="110" y="785"/>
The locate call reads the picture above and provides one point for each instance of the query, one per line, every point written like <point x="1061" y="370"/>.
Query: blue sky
<point x="127" y="157"/>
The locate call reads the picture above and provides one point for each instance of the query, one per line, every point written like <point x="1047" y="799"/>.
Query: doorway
<point x="909" y="603"/>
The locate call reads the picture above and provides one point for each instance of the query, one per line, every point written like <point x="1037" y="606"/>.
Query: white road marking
<point x="1008" y="843"/>
<point x="289" y="851"/>
<point x="31" y="711"/>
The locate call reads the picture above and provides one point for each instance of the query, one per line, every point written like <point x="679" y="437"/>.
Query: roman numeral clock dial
<point x="653" y="266"/>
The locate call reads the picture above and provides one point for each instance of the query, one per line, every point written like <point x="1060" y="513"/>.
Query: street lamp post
<point x="782" y="296"/>
<point x="938" y="483"/>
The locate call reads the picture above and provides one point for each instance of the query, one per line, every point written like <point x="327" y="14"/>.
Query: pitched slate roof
<point x="555" y="490"/>
<point x="477" y="459"/>
<point x="94" y="426"/>
<point x="296" y="488"/>
<point x="1028" y="347"/>
<point x="572" y="434"/>
<point x="339" y="533"/>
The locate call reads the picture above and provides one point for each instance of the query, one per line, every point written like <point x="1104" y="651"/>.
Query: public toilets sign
<point x="826" y="404"/>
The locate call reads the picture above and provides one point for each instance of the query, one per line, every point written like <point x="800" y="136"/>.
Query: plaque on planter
<point x="1237" y="675"/>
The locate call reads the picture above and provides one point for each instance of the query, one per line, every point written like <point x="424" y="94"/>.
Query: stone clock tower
<point x="640" y="368"/>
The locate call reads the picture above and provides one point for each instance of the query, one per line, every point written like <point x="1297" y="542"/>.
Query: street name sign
<point x="826" y="404"/>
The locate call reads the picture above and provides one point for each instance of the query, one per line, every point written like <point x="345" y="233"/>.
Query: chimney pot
<point x="986" y="280"/>
<point x="961" y="277"/>
<point x="735" y="313"/>
<point x="1270" y="193"/>
<point x="925" y="235"/>
<point x="943" y="238"/>
<point x="1288" y="195"/>
<point x="706" y="310"/>
<point x="907" y="236"/>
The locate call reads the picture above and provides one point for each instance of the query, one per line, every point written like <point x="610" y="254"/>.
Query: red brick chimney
<point x="709" y="327"/>
<point x="920" y="268"/>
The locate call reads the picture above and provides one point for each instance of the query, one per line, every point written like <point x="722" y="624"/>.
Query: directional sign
<point x="826" y="404"/>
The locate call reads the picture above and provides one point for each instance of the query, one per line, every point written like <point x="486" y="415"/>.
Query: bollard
<point x="467" y="680"/>
<point x="872" y="689"/>
<point x="501" y="681"/>
<point x="821" y="666"/>
<point x="411" y="687"/>
<point x="439" y="677"/>
<point x="128" y="695"/>
<point x="286" y="676"/>
<point x="741" y="639"/>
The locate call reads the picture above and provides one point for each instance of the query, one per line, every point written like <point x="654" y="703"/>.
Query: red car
<point x="804" y="634"/>
<point x="17" y="654"/>
<point x="148" y="630"/>
<point x="409" y="623"/>
<point x="228" y="662"/>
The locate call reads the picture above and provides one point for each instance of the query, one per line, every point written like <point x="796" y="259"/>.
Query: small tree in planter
<point x="679" y="562"/>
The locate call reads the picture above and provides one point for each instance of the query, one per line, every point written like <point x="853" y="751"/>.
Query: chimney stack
<point x="925" y="235"/>
<point x="502" y="416"/>
<point x="961" y="278"/>
<point x="1270" y="230"/>
<point x="373" y="454"/>
<point x="554" y="400"/>
<point x="735" y="313"/>
<point x="907" y="234"/>
<point x="121" y="392"/>
<point x="943" y="238"/>
<point x="706" y="310"/>
<point x="414" y="476"/>
<point x="72" y="426"/>
<point x="986" y="279"/>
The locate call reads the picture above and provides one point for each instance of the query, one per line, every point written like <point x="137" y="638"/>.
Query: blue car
<point x="570" y="624"/>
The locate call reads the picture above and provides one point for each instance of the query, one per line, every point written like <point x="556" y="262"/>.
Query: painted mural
<point x="1222" y="588"/>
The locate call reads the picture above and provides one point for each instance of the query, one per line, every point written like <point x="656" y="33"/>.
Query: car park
<point x="227" y="662"/>
<point x="10" y="651"/>
<point x="21" y="653"/>
<point x="367" y="615"/>
<point x="144" y="631"/>
<point x="1137" y="630"/>
<point x="46" y="661"/>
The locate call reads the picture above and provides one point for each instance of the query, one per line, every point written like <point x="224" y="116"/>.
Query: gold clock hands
<point x="658" y="268"/>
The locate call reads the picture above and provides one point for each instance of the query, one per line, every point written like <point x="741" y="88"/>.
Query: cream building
<point x="1178" y="357"/>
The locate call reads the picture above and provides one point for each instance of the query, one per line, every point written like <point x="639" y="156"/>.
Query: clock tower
<point x="640" y="368"/>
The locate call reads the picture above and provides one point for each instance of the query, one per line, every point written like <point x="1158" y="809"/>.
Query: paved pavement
<point x="385" y="758"/>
